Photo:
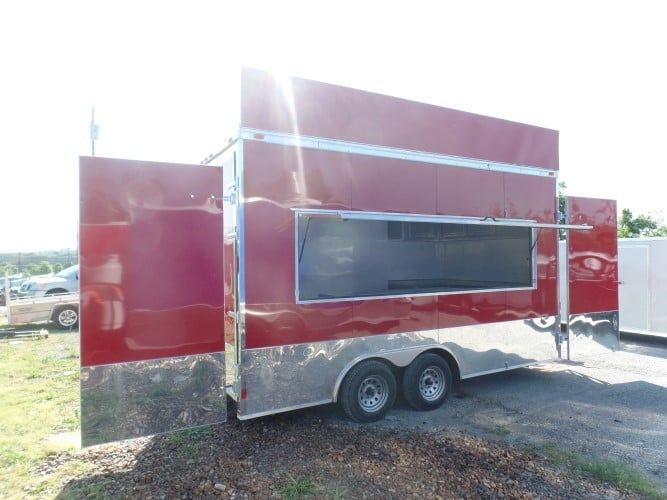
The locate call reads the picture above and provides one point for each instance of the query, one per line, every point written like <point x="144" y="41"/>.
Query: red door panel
<point x="150" y="254"/>
<point x="593" y="256"/>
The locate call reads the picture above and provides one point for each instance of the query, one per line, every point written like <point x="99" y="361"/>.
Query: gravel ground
<point x="253" y="459"/>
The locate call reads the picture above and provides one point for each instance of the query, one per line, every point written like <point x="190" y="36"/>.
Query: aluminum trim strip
<point x="498" y="370"/>
<point x="214" y="156"/>
<point x="425" y="294"/>
<point x="651" y="333"/>
<point x="240" y="176"/>
<point x="283" y="410"/>
<point x="388" y="152"/>
<point x="438" y="219"/>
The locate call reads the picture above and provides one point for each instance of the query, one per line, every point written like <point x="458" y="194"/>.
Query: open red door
<point x="152" y="291"/>
<point x="592" y="256"/>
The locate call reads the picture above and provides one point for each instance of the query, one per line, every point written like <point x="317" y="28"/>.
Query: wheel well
<point x="398" y="370"/>
<point x="53" y="291"/>
<point x="341" y="376"/>
<point x="451" y="361"/>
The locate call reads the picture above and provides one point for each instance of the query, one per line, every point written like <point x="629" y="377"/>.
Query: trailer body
<point x="344" y="244"/>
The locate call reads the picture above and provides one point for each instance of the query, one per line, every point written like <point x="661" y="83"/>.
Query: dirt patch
<point x="337" y="459"/>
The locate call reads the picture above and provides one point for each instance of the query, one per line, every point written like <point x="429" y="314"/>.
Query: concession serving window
<point x="343" y="255"/>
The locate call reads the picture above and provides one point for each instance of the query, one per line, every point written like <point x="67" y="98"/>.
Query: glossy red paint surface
<point x="318" y="109"/>
<point x="150" y="255"/>
<point x="405" y="314"/>
<point x="593" y="256"/>
<point x="289" y="323"/>
<point x="530" y="197"/>
<point x="470" y="192"/>
<point x="534" y="198"/>
<point x="471" y="309"/>
<point x="389" y="185"/>
<point x="279" y="178"/>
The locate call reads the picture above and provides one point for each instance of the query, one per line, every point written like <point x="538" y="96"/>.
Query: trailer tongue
<point x="346" y="246"/>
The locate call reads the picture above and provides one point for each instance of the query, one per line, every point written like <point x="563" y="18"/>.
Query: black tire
<point x="427" y="381"/>
<point x="368" y="391"/>
<point x="66" y="317"/>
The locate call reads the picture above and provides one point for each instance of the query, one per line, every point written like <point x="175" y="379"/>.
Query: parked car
<point x="15" y="282"/>
<point x="66" y="281"/>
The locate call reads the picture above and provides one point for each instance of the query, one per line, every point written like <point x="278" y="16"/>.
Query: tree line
<point x="32" y="268"/>
<point x="628" y="226"/>
<point x="642" y="225"/>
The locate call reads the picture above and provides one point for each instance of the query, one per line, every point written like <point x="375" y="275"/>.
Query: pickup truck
<point x="61" y="309"/>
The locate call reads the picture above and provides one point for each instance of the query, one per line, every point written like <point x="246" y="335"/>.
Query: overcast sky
<point x="161" y="76"/>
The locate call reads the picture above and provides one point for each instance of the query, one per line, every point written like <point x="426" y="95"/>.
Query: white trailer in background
<point x="642" y="285"/>
<point x="642" y="290"/>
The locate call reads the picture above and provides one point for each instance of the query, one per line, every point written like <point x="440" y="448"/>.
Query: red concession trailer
<point x="345" y="247"/>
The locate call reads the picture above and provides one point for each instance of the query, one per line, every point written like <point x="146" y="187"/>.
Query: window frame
<point x="404" y="217"/>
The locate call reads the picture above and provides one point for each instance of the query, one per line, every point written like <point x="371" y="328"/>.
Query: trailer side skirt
<point x="129" y="400"/>
<point x="283" y="378"/>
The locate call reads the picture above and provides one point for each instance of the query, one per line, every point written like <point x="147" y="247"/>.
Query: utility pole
<point x="94" y="132"/>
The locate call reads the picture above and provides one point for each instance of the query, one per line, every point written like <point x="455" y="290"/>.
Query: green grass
<point x="39" y="390"/>
<point x="613" y="472"/>
<point x="185" y="441"/>
<point x="296" y="489"/>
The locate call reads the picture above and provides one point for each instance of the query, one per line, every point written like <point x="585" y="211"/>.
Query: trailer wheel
<point x="426" y="382"/>
<point x="368" y="391"/>
<point x="67" y="317"/>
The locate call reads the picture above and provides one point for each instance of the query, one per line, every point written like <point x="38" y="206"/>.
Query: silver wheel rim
<point x="67" y="317"/>
<point x="373" y="393"/>
<point x="432" y="383"/>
